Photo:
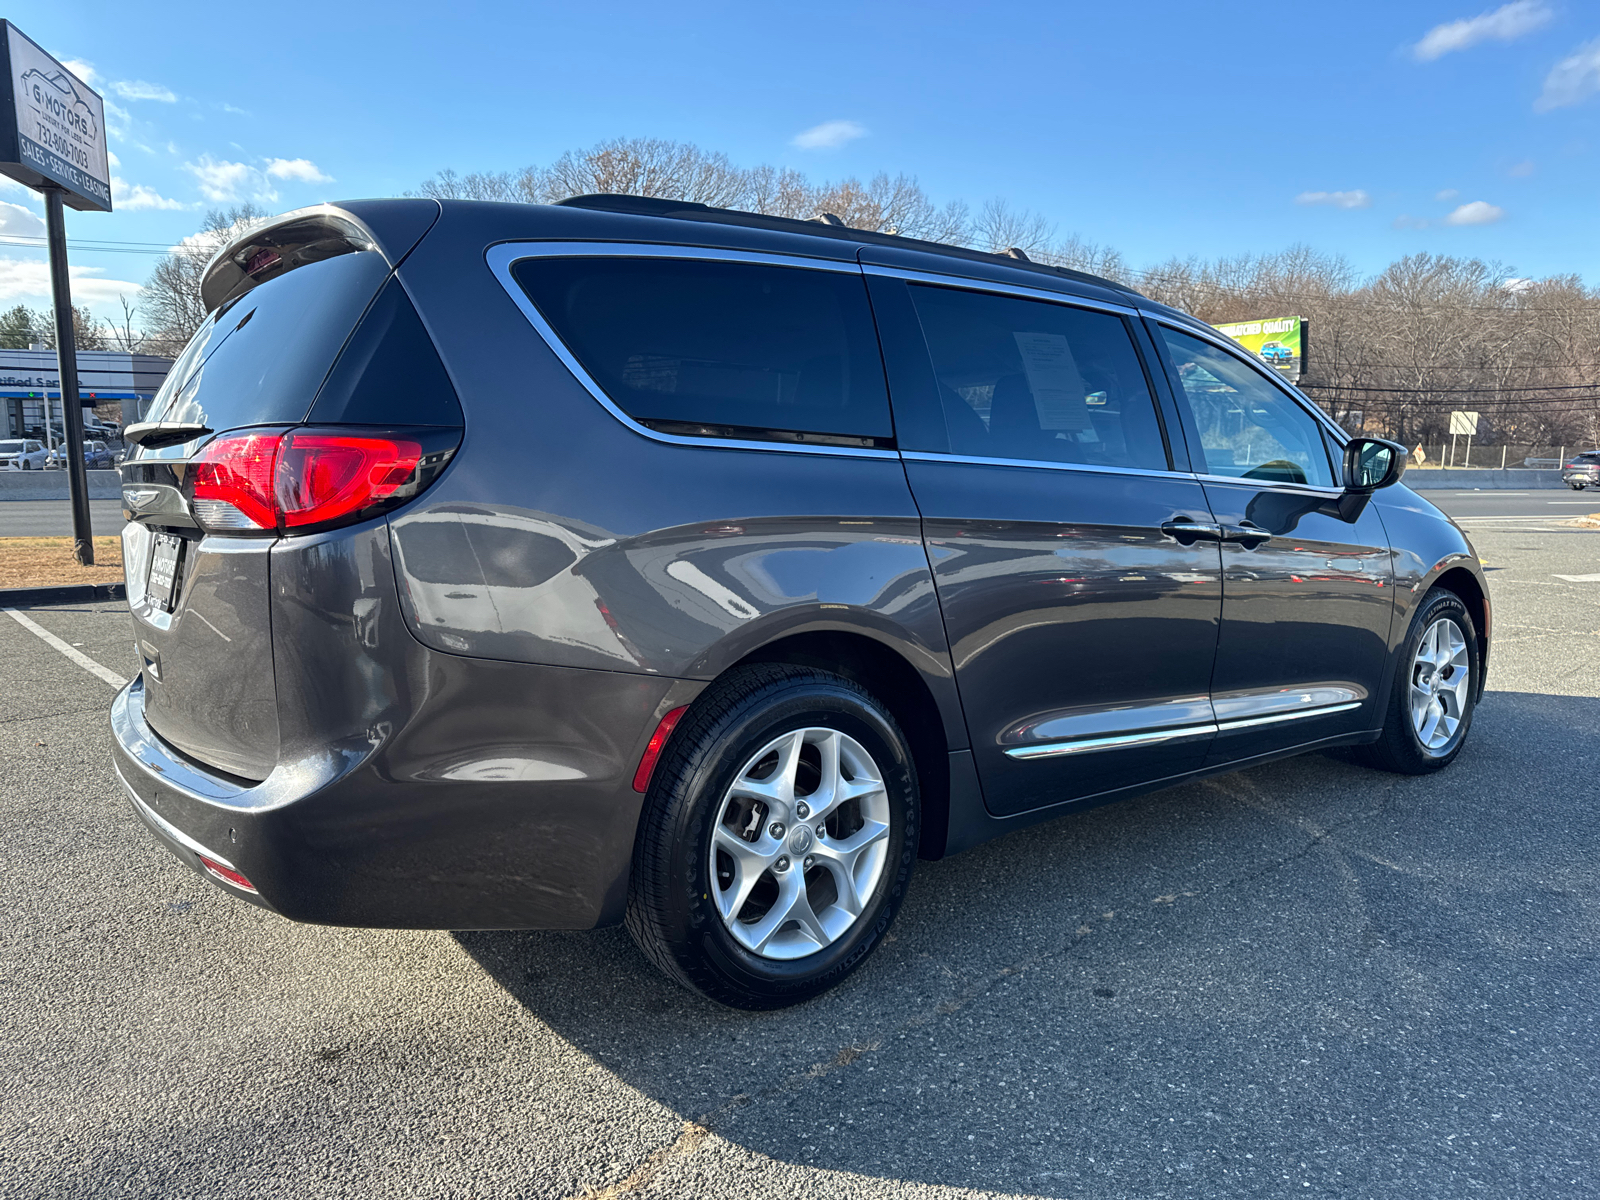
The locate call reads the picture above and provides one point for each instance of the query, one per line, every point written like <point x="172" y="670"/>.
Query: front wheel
<point x="1434" y="692"/>
<point x="778" y="837"/>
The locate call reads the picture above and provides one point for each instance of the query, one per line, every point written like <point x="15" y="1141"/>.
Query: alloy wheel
<point x="1440" y="682"/>
<point x="799" y="843"/>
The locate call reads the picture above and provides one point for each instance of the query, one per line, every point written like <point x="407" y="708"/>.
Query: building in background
<point x="28" y="378"/>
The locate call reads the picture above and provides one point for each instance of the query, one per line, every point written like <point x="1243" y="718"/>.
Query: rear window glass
<point x="725" y="349"/>
<point x="261" y="361"/>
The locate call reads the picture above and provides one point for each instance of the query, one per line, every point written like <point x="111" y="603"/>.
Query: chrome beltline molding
<point x="1124" y="741"/>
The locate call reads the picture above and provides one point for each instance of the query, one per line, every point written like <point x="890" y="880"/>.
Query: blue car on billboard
<point x="1276" y="353"/>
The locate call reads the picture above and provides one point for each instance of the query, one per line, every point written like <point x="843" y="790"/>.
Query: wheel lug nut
<point x="810" y="862"/>
<point x="822" y="828"/>
<point x="777" y="829"/>
<point x="802" y="811"/>
<point x="783" y="863"/>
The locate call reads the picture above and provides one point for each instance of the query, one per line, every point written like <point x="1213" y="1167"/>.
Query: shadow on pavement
<point x="1305" y="973"/>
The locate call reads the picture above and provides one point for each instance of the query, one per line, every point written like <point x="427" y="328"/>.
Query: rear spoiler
<point x="306" y="235"/>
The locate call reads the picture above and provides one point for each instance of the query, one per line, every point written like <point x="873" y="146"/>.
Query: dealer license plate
<point x="163" y="586"/>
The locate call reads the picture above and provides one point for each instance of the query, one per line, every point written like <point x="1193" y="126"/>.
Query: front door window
<point x="1249" y="428"/>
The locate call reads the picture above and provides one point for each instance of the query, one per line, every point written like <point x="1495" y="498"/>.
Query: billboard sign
<point x="1280" y="342"/>
<point x="52" y="125"/>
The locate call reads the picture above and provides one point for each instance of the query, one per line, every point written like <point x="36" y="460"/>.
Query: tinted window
<point x="1248" y="427"/>
<point x="389" y="373"/>
<point x="269" y="352"/>
<point x="731" y="347"/>
<point x="1028" y="379"/>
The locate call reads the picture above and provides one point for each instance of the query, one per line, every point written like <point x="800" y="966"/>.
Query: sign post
<point x="53" y="139"/>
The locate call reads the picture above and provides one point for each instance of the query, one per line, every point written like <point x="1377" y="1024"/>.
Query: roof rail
<point x="824" y="225"/>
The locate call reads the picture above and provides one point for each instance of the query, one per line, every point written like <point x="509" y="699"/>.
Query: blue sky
<point x="1160" y="128"/>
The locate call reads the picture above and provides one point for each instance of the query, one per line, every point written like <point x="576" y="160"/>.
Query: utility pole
<point x="67" y="369"/>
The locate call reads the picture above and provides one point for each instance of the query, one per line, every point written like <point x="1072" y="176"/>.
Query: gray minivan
<point x="526" y="567"/>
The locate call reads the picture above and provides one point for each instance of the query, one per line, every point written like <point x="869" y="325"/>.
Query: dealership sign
<point x="1280" y="342"/>
<point x="52" y="125"/>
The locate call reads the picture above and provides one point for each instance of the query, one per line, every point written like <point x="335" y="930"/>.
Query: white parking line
<point x="77" y="656"/>
<point x="1580" y="578"/>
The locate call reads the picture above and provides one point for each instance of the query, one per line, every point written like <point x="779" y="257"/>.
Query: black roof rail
<point x="822" y="226"/>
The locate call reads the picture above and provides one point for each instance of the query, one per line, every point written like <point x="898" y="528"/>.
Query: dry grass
<point x="47" y="562"/>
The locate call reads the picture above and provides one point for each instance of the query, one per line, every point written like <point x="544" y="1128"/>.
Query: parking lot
<point x="1304" y="979"/>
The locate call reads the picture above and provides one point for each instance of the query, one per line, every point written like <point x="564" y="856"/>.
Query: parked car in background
<point x="1582" y="470"/>
<point x="835" y="550"/>
<point x="95" y="456"/>
<point x="23" y="454"/>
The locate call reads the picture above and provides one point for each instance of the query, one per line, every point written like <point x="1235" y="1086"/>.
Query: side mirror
<point x="1373" y="463"/>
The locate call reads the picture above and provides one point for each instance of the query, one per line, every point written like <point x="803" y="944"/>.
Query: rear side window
<point x="1026" y="379"/>
<point x="268" y="353"/>
<point x="719" y="348"/>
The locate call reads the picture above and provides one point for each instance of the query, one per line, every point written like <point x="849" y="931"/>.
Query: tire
<point x="26" y="465"/>
<point x="1404" y="748"/>
<point x="715" y="924"/>
<point x="1577" y="487"/>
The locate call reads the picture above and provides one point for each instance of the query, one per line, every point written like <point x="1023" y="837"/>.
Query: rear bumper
<point x="494" y="807"/>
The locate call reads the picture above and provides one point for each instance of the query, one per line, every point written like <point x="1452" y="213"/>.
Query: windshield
<point x="10" y="447"/>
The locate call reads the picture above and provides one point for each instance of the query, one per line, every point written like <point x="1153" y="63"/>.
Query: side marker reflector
<point x="652" y="752"/>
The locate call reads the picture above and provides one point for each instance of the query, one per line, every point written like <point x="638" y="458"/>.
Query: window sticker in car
<point x="1054" y="380"/>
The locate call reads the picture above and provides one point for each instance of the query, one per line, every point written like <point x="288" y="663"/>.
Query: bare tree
<point x="172" y="305"/>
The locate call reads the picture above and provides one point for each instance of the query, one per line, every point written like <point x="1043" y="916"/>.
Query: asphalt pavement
<point x="1304" y="979"/>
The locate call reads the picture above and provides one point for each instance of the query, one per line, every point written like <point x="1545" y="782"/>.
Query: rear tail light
<point x="301" y="480"/>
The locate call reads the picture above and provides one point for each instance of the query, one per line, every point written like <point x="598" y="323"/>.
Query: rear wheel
<point x="1434" y="692"/>
<point x="778" y="837"/>
<point x="1577" y="487"/>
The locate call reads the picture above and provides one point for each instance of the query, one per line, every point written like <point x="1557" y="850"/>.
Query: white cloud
<point x="1574" y="78"/>
<point x="1522" y="169"/>
<point x="82" y="70"/>
<point x="28" y="278"/>
<point x="132" y="196"/>
<point x="829" y="135"/>
<point x="1478" y="212"/>
<point x="1447" y="194"/>
<point x="235" y="110"/>
<point x="16" y="221"/>
<point x="1504" y="24"/>
<point x="222" y="181"/>
<point x="302" y="169"/>
<point x="1517" y="284"/>
<point x="138" y="89"/>
<point x="1354" y="199"/>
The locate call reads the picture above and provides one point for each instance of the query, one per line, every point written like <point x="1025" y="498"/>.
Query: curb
<point x="68" y="593"/>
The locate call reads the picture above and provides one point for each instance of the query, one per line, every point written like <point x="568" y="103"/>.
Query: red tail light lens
<point x="232" y="482"/>
<point x="306" y="479"/>
<point x="324" y="477"/>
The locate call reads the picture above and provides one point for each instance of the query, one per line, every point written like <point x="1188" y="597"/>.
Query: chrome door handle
<point x="1188" y="532"/>
<point x="1247" y="535"/>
